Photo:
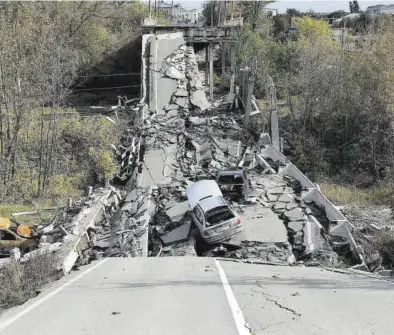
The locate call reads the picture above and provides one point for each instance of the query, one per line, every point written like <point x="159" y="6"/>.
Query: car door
<point x="199" y="218"/>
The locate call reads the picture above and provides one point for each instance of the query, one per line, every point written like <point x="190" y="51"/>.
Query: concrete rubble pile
<point x="124" y="234"/>
<point x="319" y="233"/>
<point x="181" y="66"/>
<point x="67" y="236"/>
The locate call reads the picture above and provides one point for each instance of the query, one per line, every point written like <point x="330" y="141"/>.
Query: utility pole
<point x="150" y="10"/>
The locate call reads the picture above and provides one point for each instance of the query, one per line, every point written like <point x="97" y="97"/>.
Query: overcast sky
<point x="305" y="5"/>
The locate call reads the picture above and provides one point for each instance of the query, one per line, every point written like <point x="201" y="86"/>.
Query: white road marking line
<point x="236" y="311"/>
<point x="48" y="296"/>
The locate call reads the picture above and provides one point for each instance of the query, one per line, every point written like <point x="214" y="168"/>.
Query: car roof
<point x="203" y="189"/>
<point x="212" y="202"/>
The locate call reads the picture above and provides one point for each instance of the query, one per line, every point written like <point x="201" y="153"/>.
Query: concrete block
<point x="178" y="234"/>
<point x="295" y="214"/>
<point x="198" y="99"/>
<point x="287" y="198"/>
<point x="177" y="211"/>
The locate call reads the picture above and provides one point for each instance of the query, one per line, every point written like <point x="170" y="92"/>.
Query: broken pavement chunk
<point x="286" y="198"/>
<point x="178" y="234"/>
<point x="181" y="93"/>
<point x="177" y="211"/>
<point x="294" y="215"/>
<point x="171" y="107"/>
<point x="198" y="99"/>
<point x="296" y="226"/>
<point x="173" y="73"/>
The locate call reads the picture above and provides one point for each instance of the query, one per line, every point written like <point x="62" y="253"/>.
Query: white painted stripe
<point x="237" y="313"/>
<point x="48" y="296"/>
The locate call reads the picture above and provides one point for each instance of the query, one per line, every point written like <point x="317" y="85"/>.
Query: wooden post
<point x="249" y="94"/>
<point x="211" y="69"/>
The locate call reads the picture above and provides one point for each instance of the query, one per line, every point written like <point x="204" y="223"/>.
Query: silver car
<point x="216" y="220"/>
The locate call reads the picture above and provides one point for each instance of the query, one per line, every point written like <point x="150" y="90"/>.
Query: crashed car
<point x="216" y="220"/>
<point x="233" y="182"/>
<point x="15" y="236"/>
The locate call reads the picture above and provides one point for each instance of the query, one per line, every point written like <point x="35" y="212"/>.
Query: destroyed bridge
<point x="151" y="271"/>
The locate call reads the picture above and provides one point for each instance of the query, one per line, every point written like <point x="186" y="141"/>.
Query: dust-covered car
<point x="233" y="182"/>
<point x="216" y="220"/>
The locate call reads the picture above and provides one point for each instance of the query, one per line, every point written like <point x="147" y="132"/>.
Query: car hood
<point x="202" y="189"/>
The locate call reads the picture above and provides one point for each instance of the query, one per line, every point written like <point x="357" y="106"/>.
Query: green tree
<point x="354" y="6"/>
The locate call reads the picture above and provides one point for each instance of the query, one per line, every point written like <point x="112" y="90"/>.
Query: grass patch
<point x="20" y="282"/>
<point x="350" y="195"/>
<point x="7" y="209"/>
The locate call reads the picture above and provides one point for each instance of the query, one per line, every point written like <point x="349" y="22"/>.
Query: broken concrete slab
<point x="174" y="73"/>
<point x="47" y="249"/>
<point x="295" y="214"/>
<point x="272" y="197"/>
<point x="275" y="190"/>
<point x="181" y="93"/>
<point x="291" y="206"/>
<point x="296" y="226"/>
<point x="171" y="107"/>
<point x="279" y="207"/>
<point x="195" y="120"/>
<point x="176" y="235"/>
<point x="177" y="211"/>
<point x="181" y="102"/>
<point x="198" y="99"/>
<point x="287" y="198"/>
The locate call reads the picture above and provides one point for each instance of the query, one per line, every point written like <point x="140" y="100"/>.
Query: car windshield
<point x="218" y="215"/>
<point x="230" y="179"/>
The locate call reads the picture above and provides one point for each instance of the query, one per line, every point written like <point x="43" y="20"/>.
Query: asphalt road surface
<point x="181" y="296"/>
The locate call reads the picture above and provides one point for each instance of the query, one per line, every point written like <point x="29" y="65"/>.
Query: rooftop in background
<point x="381" y="9"/>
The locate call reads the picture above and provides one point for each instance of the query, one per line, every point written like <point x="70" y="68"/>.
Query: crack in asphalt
<point x="267" y="297"/>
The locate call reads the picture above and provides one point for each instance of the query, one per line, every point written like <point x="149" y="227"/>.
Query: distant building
<point x="178" y="14"/>
<point x="381" y="9"/>
<point x="270" y="11"/>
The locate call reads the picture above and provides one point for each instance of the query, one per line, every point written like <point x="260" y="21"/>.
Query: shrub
<point x="20" y="282"/>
